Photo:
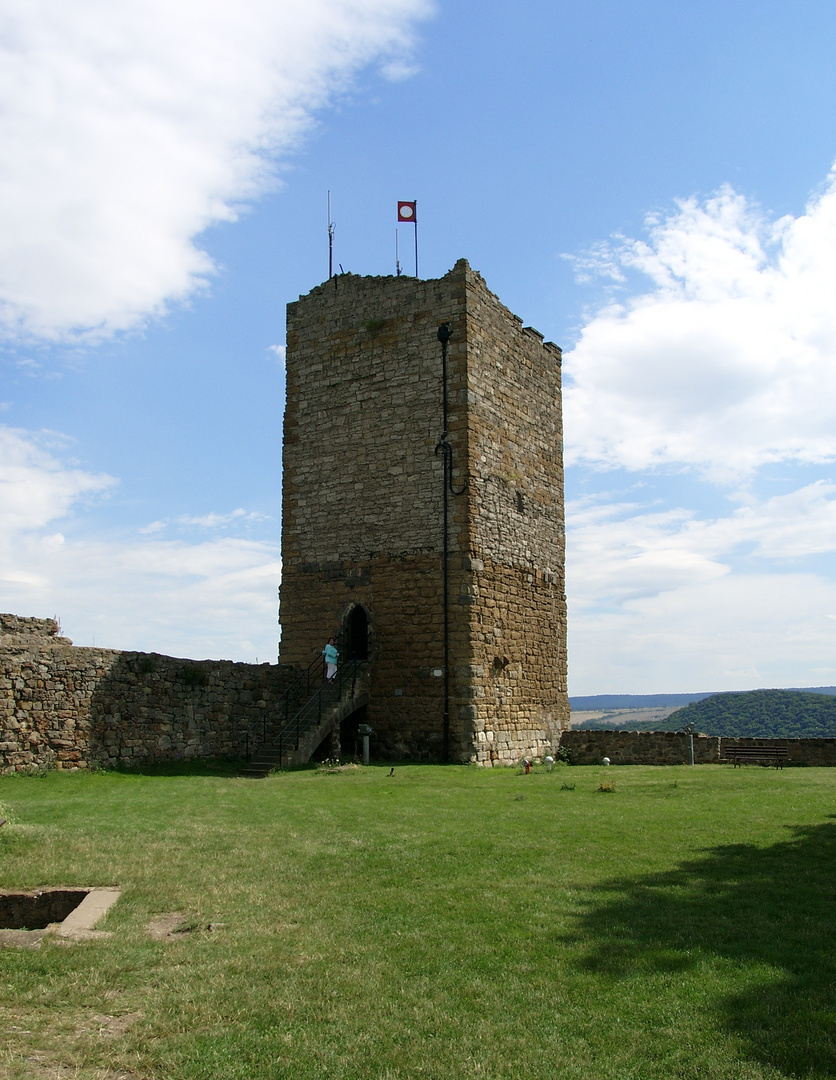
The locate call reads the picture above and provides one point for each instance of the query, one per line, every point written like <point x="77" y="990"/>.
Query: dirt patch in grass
<point x="36" y="1068"/>
<point x="169" y="926"/>
<point x="109" y="1027"/>
<point x="21" y="939"/>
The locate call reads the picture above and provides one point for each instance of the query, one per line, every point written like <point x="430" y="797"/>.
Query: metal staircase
<point x="309" y="710"/>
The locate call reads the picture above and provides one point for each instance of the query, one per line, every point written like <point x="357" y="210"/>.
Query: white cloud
<point x="720" y="364"/>
<point x="126" y="129"/>
<point x="674" y="601"/>
<point x="35" y="486"/>
<point x="214" y="521"/>
<point x="622" y="550"/>
<point x="739" y="632"/>
<point x="219" y="521"/>
<point x="613" y="558"/>
<point x="211" y="520"/>
<point x="280" y="352"/>
<point x="215" y="598"/>
<point x="212" y="599"/>
<point x="727" y="361"/>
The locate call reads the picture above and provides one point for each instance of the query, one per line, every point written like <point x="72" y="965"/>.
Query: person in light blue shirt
<point x="330" y="653"/>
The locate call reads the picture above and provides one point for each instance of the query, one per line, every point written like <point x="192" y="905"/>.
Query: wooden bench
<point x="756" y="755"/>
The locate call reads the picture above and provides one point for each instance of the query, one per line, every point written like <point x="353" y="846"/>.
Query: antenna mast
<point x="331" y="228"/>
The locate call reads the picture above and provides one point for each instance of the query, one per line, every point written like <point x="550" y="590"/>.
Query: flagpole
<point x="408" y="211"/>
<point x="397" y="256"/>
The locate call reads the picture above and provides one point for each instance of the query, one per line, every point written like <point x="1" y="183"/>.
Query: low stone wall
<point x="672" y="748"/>
<point x="69" y="707"/>
<point x="638" y="747"/>
<point x="799" y="751"/>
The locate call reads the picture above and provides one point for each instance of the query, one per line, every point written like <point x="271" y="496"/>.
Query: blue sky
<point x="649" y="185"/>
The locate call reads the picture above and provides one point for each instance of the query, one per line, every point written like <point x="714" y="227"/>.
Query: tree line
<point x="776" y="714"/>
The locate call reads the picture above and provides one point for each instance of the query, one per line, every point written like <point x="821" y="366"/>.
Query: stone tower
<point x="363" y="512"/>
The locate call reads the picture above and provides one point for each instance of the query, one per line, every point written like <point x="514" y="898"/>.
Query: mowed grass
<point x="445" y="922"/>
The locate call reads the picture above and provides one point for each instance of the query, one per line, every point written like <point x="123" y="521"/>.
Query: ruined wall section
<point x="66" y="707"/>
<point x="516" y="593"/>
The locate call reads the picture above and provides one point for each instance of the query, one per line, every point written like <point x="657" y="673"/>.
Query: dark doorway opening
<point x="356" y="634"/>
<point x="350" y="741"/>
<point x="344" y="743"/>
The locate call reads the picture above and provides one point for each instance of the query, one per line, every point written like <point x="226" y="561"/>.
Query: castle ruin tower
<point x="363" y="513"/>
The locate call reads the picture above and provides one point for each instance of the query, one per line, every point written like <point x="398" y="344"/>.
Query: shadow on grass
<point x="772" y="907"/>
<point x="185" y="767"/>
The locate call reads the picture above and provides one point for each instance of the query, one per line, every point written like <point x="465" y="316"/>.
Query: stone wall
<point x="799" y="751"/>
<point x="362" y="499"/>
<point x="68" y="707"/>
<point x="515" y="602"/>
<point x="362" y="510"/>
<point x="72" y="707"/>
<point x="638" y="747"/>
<point x="671" y="748"/>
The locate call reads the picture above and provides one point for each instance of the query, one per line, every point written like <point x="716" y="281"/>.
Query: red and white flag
<point x="406" y="211"/>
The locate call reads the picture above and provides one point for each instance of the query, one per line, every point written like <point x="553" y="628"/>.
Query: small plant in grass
<point x="567" y="787"/>
<point x="42" y="768"/>
<point x="96" y="762"/>
<point x="6" y="814"/>
<point x="607" y="785"/>
<point x="330" y="764"/>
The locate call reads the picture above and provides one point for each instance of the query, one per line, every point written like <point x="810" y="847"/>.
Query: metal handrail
<point x="329" y="693"/>
<point x="287" y="702"/>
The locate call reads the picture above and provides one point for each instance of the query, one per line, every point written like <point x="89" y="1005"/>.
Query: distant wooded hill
<point x="779" y="714"/>
<point x="593" y="702"/>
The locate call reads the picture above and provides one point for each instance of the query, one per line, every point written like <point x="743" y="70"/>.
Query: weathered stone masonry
<point x="672" y="748"/>
<point x="72" y="707"/>
<point x="362" y="509"/>
<point x="68" y="707"/>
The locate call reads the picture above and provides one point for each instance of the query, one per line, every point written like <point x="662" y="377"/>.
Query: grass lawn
<point x="444" y="923"/>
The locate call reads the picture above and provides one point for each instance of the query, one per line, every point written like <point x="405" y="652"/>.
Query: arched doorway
<point x="356" y="634"/>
